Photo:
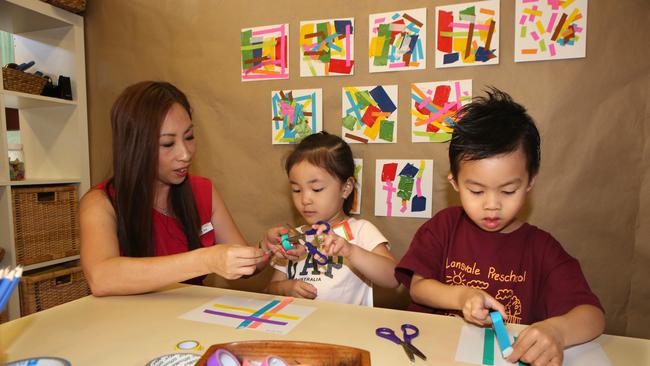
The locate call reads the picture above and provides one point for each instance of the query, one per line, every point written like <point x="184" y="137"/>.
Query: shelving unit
<point x="54" y="132"/>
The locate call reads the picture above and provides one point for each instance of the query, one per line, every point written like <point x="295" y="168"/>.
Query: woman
<point x="152" y="224"/>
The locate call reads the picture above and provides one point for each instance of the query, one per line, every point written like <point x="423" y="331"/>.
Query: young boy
<point x="481" y="257"/>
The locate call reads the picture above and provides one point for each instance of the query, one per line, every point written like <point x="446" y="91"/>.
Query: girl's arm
<point x="108" y="273"/>
<point x="475" y="304"/>
<point x="280" y="285"/>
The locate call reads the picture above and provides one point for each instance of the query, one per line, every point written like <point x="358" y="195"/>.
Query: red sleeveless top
<point x="168" y="235"/>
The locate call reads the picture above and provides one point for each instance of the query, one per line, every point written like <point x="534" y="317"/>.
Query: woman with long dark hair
<point x="152" y="224"/>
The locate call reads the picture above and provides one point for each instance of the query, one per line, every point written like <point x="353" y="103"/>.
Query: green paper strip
<point x="488" y="347"/>
<point x="433" y="136"/>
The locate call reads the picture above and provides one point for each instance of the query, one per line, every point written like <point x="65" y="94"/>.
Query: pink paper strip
<point x="269" y="30"/>
<point x="551" y="23"/>
<point x="347" y="45"/>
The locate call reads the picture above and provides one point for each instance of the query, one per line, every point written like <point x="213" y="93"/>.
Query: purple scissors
<point x="318" y="256"/>
<point x="409" y="331"/>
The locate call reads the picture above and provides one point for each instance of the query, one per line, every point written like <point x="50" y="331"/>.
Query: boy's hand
<point x="302" y="289"/>
<point x="539" y="344"/>
<point x="334" y="245"/>
<point x="476" y="306"/>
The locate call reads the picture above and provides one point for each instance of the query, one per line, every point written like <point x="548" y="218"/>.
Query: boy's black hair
<point x="493" y="125"/>
<point x="328" y="152"/>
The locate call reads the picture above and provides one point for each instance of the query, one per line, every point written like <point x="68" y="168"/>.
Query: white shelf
<point x="50" y="263"/>
<point x="31" y="182"/>
<point x="19" y="100"/>
<point x="22" y="16"/>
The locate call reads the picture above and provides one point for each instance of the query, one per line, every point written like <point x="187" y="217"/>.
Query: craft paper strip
<point x="478" y="346"/>
<point x="264" y="53"/>
<point x="467" y="34"/>
<point x="295" y="114"/>
<point x="403" y="188"/>
<point x="277" y="316"/>
<point x="550" y="30"/>
<point x="327" y="47"/>
<point x="434" y="106"/>
<point x="397" y="40"/>
<point x="369" y="114"/>
<point x="358" y="185"/>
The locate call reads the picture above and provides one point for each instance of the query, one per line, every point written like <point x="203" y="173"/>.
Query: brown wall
<point x="593" y="192"/>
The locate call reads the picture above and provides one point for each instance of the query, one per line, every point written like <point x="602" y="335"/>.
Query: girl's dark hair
<point x="136" y="119"/>
<point x="494" y="125"/>
<point x="328" y="152"/>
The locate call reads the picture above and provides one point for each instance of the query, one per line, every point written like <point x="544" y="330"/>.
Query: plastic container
<point x="16" y="162"/>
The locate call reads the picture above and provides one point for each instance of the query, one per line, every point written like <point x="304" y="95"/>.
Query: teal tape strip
<point x="488" y="347"/>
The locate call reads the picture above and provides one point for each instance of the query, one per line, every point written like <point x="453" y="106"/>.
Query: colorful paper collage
<point x="264" y="53"/>
<point x="327" y="47"/>
<point x="398" y="40"/>
<point x="369" y="114"/>
<point x="434" y="106"/>
<point x="358" y="185"/>
<point x="467" y="34"/>
<point x="296" y="114"/>
<point x="403" y="188"/>
<point x="277" y="316"/>
<point x="550" y="29"/>
<point x="478" y="346"/>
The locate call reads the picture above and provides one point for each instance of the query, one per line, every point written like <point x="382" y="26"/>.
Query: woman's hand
<point x="232" y="261"/>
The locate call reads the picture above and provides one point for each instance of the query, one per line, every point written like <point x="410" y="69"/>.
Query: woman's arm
<point x="108" y="273"/>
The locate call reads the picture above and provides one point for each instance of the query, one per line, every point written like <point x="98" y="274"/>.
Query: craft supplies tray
<point x="294" y="352"/>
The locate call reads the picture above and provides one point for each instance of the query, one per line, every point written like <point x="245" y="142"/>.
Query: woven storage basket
<point x="46" y="223"/>
<point x="19" y="81"/>
<point x="50" y="288"/>
<point x="75" y="6"/>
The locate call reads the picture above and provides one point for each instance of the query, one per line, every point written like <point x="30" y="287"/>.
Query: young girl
<point x="321" y="174"/>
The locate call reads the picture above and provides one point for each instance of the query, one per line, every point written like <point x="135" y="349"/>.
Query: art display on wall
<point x="327" y="47"/>
<point x="369" y="114"/>
<point x="264" y="53"/>
<point x="403" y="188"/>
<point x="467" y="34"/>
<point x="296" y="114"/>
<point x="358" y="185"/>
<point x="434" y="106"/>
<point x="550" y="29"/>
<point x="397" y="40"/>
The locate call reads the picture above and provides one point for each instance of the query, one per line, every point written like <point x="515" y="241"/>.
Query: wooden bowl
<point x="294" y="352"/>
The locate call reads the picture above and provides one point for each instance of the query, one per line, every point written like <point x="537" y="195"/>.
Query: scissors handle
<point x="389" y="334"/>
<point x="408" y="336"/>
<point x="321" y="222"/>
<point x="318" y="256"/>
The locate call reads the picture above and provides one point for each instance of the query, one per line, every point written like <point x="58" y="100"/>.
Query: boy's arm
<point x="475" y="304"/>
<point x="544" y="342"/>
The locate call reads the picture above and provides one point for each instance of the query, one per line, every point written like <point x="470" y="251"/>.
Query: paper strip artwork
<point x="467" y="34"/>
<point x="403" y="188"/>
<point x="264" y="53"/>
<point x="479" y="347"/>
<point x="550" y="29"/>
<point x="277" y="316"/>
<point x="434" y="106"/>
<point x="327" y="47"/>
<point x="358" y="184"/>
<point x="369" y="114"/>
<point x="398" y="40"/>
<point x="296" y="114"/>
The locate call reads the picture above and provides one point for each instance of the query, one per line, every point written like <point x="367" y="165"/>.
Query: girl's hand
<point x="231" y="261"/>
<point x="272" y="244"/>
<point x="298" y="288"/>
<point x="539" y="344"/>
<point x="334" y="245"/>
<point x="476" y="305"/>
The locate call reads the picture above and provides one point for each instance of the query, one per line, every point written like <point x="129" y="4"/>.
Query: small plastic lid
<point x="15" y="146"/>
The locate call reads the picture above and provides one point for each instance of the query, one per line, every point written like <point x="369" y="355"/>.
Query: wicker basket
<point x="20" y="81"/>
<point x="46" y="223"/>
<point x="75" y="6"/>
<point x="52" y="287"/>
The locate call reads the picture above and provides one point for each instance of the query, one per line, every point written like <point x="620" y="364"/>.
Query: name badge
<point x="206" y="228"/>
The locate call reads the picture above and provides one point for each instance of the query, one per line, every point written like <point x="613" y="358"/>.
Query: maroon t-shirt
<point x="526" y="270"/>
